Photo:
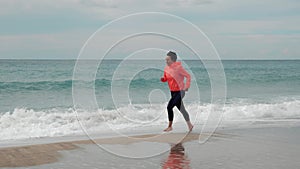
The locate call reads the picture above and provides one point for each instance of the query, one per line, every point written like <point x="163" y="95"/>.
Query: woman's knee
<point x="170" y="108"/>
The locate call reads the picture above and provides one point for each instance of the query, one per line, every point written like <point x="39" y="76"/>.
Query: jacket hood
<point x="175" y="64"/>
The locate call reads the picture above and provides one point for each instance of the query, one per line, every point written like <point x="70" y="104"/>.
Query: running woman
<point x="174" y="74"/>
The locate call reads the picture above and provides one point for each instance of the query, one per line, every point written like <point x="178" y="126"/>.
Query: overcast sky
<point x="239" y="29"/>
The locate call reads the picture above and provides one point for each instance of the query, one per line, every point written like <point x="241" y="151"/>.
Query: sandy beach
<point x="31" y="155"/>
<point x="261" y="147"/>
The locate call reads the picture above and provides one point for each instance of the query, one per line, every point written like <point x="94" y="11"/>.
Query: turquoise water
<point x="44" y="84"/>
<point x="34" y="91"/>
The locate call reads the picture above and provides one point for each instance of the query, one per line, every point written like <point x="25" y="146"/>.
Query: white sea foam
<point x="28" y="123"/>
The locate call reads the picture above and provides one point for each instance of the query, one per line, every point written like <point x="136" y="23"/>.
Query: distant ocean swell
<point x="67" y="84"/>
<point x="139" y="82"/>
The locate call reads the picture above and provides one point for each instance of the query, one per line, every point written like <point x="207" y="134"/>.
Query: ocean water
<point x="36" y="95"/>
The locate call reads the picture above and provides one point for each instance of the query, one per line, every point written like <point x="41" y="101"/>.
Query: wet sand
<point x="247" y="148"/>
<point x="31" y="155"/>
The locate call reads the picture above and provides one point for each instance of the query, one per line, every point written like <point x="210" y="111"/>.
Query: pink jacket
<point x="175" y="74"/>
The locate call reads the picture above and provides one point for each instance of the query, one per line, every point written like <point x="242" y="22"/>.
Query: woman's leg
<point x="175" y="97"/>
<point x="183" y="111"/>
<point x="176" y="100"/>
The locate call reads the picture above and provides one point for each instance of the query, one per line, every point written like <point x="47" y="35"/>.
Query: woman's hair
<point x="172" y="55"/>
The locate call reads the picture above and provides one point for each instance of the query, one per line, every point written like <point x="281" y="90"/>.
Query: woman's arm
<point x="164" y="78"/>
<point x="187" y="76"/>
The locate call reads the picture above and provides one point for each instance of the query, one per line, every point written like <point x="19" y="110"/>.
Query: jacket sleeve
<point x="164" y="78"/>
<point x="187" y="76"/>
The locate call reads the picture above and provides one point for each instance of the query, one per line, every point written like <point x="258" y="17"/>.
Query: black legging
<point x="176" y="100"/>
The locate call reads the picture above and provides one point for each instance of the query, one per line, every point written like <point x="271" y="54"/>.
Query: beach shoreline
<point x="251" y="141"/>
<point x="38" y="154"/>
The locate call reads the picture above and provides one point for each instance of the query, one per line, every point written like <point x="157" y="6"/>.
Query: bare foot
<point x="168" y="129"/>
<point x="191" y="127"/>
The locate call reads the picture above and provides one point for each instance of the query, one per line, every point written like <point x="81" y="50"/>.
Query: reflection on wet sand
<point x="177" y="158"/>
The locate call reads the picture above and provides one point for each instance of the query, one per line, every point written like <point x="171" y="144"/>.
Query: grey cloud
<point x="187" y="2"/>
<point x="100" y="3"/>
